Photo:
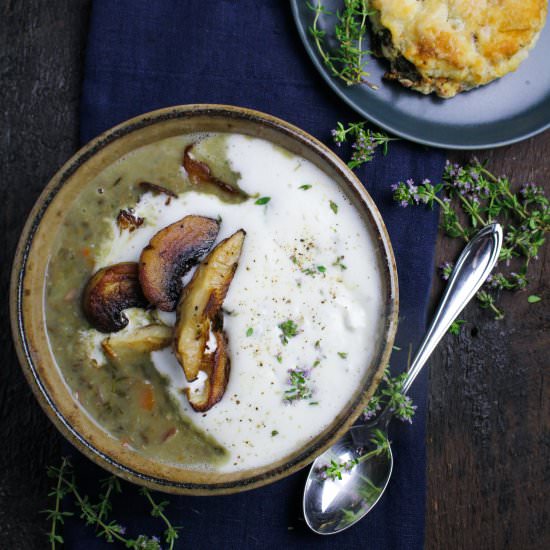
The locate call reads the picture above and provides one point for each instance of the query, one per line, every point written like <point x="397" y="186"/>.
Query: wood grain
<point x="489" y="421"/>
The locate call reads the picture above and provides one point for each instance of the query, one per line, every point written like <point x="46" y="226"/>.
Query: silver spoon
<point x="332" y="504"/>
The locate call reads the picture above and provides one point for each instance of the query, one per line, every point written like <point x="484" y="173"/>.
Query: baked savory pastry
<point x="449" y="46"/>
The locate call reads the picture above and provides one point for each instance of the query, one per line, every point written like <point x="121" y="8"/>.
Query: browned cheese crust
<point x="448" y="46"/>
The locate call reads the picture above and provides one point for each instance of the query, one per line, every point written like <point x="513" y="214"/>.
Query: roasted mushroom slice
<point x="110" y="291"/>
<point x="199" y="315"/>
<point x="199" y="172"/>
<point x="141" y="340"/>
<point x="170" y="254"/>
<point x="216" y="366"/>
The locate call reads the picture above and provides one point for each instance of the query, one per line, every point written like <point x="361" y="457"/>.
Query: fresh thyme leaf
<point x="381" y="442"/>
<point x="533" y="299"/>
<point x="262" y="200"/>
<point x="338" y="263"/>
<point x="274" y="433"/>
<point x="333" y="207"/>
<point x="289" y="329"/>
<point x="279" y="358"/>
<point x="249" y="331"/>
<point x="342" y="354"/>
<point x="456" y="327"/>
<point x="368" y="491"/>
<point x="312" y="271"/>
<point x="305" y="187"/>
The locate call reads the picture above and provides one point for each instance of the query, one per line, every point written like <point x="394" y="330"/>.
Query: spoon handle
<point x="471" y="270"/>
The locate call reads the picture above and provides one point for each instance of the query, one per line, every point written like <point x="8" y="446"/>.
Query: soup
<point x="301" y="314"/>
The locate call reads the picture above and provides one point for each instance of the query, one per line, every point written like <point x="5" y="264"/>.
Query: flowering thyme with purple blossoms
<point x="363" y="141"/>
<point x="471" y="197"/>
<point x="298" y="381"/>
<point x="96" y="515"/>
<point x="390" y="394"/>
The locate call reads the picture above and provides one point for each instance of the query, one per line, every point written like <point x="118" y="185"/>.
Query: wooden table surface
<point x="489" y="421"/>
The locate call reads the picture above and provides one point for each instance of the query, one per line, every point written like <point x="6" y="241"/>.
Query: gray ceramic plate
<point x="508" y="110"/>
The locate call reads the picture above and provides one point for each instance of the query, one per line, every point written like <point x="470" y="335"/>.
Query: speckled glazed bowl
<point x="31" y="264"/>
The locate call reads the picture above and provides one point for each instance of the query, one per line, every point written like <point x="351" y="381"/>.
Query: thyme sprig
<point x="363" y="141"/>
<point x="97" y="515"/>
<point x="471" y="197"/>
<point x="390" y="393"/>
<point x="335" y="469"/>
<point x="348" y="59"/>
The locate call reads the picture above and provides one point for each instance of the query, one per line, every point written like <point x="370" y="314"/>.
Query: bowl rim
<point x="23" y="251"/>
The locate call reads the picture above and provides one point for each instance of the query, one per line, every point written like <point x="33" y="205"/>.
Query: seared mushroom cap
<point x="170" y="254"/>
<point x="199" y="316"/>
<point x="110" y="291"/>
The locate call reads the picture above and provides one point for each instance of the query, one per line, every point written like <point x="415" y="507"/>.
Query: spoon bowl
<point x="334" y="502"/>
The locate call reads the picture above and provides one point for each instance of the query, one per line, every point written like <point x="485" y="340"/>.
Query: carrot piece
<point x="147" y="397"/>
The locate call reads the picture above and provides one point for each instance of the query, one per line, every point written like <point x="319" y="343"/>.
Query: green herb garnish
<point x="305" y="187"/>
<point x="249" y="331"/>
<point x="347" y="61"/>
<point x="274" y="433"/>
<point x="363" y="141"/>
<point x="389" y="394"/>
<point x="338" y="263"/>
<point x="97" y="515"/>
<point x="333" y="207"/>
<point x="262" y="200"/>
<point x="342" y="354"/>
<point x="456" y="327"/>
<point x="471" y="197"/>
<point x="334" y="470"/>
<point x="289" y="329"/>
<point x="312" y="271"/>
<point x="533" y="299"/>
<point x="299" y="385"/>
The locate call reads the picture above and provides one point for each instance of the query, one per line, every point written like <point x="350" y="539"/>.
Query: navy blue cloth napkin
<point x="143" y="55"/>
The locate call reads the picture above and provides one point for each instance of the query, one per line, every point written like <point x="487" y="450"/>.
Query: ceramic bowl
<point x="31" y="264"/>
